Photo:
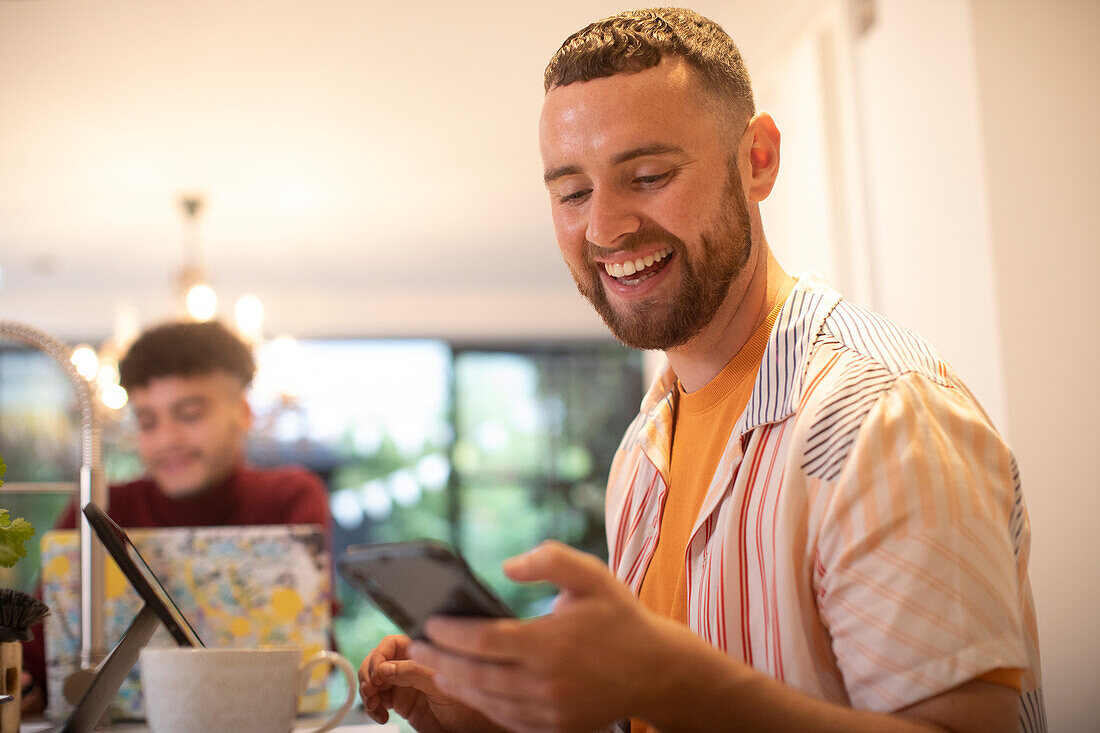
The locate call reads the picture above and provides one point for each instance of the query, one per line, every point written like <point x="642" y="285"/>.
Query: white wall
<point x="928" y="214"/>
<point x="882" y="177"/>
<point x="1038" y="70"/>
<point x="503" y="313"/>
<point x="816" y="216"/>
<point x="976" y="164"/>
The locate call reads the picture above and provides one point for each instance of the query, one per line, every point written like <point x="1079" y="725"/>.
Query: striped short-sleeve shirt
<point x="864" y="538"/>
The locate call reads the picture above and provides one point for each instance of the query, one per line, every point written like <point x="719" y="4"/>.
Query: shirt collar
<point x="778" y="385"/>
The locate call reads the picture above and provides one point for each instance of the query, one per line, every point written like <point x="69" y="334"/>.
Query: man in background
<point x="811" y="524"/>
<point x="187" y="384"/>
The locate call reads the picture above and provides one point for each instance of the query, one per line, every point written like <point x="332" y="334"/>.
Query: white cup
<point x="197" y="690"/>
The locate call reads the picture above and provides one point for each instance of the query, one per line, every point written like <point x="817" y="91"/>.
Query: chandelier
<point x="196" y="300"/>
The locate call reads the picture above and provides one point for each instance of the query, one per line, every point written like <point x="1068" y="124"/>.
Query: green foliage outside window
<point x="534" y="431"/>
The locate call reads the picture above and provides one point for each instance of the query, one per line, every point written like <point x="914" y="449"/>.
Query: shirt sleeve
<point x="918" y="579"/>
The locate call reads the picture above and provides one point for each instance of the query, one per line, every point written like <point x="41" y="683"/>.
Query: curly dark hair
<point x="185" y="348"/>
<point x="636" y="40"/>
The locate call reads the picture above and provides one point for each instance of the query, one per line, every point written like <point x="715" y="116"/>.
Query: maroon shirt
<point x="249" y="496"/>
<point x="253" y="496"/>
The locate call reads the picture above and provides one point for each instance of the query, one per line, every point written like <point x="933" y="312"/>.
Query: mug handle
<point x="336" y="660"/>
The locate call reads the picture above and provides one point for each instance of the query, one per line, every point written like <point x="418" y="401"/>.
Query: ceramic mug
<point x="198" y="690"/>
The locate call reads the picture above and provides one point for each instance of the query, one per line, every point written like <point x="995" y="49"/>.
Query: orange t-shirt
<point x="700" y="433"/>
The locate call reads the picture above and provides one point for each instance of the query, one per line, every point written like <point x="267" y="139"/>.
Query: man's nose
<point x="165" y="434"/>
<point x="610" y="217"/>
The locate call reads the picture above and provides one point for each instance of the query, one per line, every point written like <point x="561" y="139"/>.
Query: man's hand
<point x="597" y="657"/>
<point x="388" y="680"/>
<point x="601" y="656"/>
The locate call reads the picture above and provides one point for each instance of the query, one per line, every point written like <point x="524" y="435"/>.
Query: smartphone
<point x="410" y="581"/>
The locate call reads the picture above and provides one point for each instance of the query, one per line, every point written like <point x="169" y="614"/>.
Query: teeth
<point x="625" y="269"/>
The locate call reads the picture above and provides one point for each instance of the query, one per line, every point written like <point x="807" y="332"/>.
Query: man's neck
<point x="747" y="306"/>
<point x="217" y="490"/>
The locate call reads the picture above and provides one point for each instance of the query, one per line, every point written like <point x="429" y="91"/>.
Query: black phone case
<point x="410" y="581"/>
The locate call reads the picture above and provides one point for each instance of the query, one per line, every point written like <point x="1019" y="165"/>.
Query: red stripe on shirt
<point x="771" y="617"/>
<point x="743" y="568"/>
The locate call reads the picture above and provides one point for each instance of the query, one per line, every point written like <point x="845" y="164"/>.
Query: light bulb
<point x="113" y="396"/>
<point x="107" y="374"/>
<point x="250" y="317"/>
<point x="202" y="302"/>
<point x="85" y="360"/>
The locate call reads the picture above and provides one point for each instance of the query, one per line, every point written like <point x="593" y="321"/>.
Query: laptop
<point x="233" y="587"/>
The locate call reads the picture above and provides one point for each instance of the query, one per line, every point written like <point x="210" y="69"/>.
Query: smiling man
<point x="187" y="384"/>
<point x="811" y="524"/>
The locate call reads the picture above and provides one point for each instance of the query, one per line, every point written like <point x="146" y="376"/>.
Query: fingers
<point x="391" y="682"/>
<point x="496" y="690"/>
<point x="573" y="571"/>
<point x="490" y="677"/>
<point x="391" y="647"/>
<point x="516" y="714"/>
<point x="378" y="708"/>
<point x="374" y="694"/>
<point x="375" y="689"/>
<point x="408" y="673"/>
<point x="496" y="639"/>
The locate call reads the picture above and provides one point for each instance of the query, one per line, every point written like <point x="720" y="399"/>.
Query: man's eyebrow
<point x="192" y="401"/>
<point x="655" y="149"/>
<point x="559" y="172"/>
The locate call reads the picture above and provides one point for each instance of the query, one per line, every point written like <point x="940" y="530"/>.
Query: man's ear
<point x="245" y="413"/>
<point x="758" y="157"/>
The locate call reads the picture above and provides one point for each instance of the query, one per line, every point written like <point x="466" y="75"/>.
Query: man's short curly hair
<point x="636" y="40"/>
<point x="184" y="349"/>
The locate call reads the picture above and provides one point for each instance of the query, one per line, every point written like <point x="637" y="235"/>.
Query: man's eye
<point x="574" y="196"/>
<point x="190" y="415"/>
<point x="651" y="179"/>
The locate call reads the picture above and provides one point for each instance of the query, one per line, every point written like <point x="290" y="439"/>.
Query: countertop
<point x="356" y="722"/>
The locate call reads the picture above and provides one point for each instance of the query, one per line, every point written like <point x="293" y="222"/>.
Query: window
<point x="40" y="444"/>
<point x="492" y="448"/>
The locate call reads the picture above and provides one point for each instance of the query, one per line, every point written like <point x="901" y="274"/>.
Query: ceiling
<point x="369" y="168"/>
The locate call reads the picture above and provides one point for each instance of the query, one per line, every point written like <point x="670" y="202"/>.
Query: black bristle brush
<point x="19" y="611"/>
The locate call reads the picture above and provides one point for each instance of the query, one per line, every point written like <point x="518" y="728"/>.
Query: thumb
<point x="573" y="571"/>
<point x="408" y="673"/>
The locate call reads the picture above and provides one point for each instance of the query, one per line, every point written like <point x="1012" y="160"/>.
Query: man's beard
<point x="704" y="284"/>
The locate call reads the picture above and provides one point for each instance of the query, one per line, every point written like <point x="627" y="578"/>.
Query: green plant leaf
<point x="13" y="533"/>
